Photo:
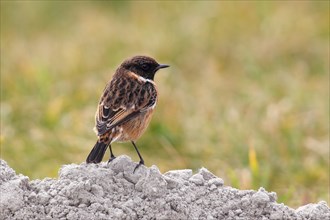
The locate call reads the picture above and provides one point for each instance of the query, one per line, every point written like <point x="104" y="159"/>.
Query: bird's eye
<point x="145" y="66"/>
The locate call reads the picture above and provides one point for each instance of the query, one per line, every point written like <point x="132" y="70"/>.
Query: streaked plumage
<point x="126" y="106"/>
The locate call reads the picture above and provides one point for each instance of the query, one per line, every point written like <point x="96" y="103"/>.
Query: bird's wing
<point x="123" y="100"/>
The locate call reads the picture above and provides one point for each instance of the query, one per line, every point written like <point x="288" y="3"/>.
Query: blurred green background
<point x="247" y="94"/>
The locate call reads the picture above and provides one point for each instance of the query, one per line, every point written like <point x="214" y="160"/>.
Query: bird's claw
<point x="138" y="165"/>
<point x="111" y="159"/>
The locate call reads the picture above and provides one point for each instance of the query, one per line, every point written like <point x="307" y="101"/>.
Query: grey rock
<point x="114" y="191"/>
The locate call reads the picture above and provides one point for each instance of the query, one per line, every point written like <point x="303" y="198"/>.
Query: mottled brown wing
<point x="123" y="99"/>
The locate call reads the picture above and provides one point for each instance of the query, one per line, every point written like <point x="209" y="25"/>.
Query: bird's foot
<point x="111" y="159"/>
<point x="138" y="165"/>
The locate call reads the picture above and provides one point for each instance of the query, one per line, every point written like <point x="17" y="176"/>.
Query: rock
<point x="114" y="191"/>
<point x="197" y="179"/>
<point x="315" y="211"/>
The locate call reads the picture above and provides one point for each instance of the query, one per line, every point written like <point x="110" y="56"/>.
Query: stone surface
<point x="113" y="191"/>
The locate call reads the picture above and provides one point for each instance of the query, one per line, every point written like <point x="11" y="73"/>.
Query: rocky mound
<point x="113" y="191"/>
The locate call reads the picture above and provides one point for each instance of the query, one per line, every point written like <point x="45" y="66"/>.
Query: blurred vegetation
<point x="247" y="94"/>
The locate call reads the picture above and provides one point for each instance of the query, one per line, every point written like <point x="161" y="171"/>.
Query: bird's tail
<point x="97" y="153"/>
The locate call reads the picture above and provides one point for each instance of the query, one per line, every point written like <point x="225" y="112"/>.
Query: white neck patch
<point x="141" y="79"/>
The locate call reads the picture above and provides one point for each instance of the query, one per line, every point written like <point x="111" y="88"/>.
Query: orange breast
<point x="133" y="129"/>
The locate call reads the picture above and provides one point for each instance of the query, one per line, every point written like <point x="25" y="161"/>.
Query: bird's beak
<point x="161" y="66"/>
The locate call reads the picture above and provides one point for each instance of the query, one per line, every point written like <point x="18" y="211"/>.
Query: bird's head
<point x="143" y="66"/>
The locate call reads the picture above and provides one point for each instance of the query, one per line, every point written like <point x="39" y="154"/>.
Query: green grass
<point x="247" y="94"/>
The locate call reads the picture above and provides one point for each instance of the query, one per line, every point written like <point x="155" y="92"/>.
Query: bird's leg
<point x="141" y="159"/>
<point x="112" y="157"/>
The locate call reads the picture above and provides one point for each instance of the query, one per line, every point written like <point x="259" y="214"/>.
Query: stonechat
<point x="126" y="106"/>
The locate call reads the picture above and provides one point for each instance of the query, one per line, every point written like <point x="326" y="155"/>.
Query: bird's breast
<point x="133" y="129"/>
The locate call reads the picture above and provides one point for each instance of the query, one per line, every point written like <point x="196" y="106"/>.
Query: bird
<point x="126" y="106"/>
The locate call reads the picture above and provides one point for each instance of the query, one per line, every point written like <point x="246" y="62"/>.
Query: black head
<point x="143" y="66"/>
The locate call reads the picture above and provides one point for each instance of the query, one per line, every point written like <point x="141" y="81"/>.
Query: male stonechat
<point x="126" y="106"/>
